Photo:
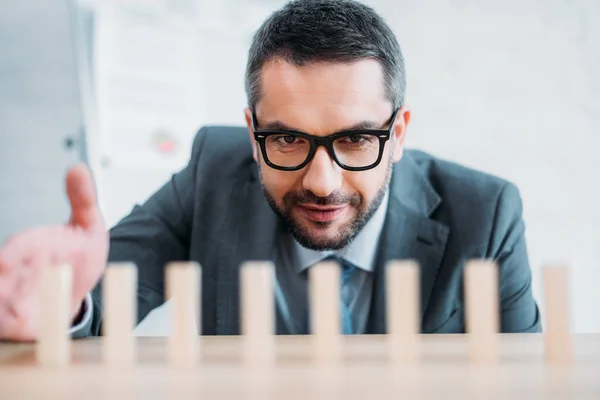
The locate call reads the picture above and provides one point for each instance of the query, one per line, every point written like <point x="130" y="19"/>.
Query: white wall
<point x="508" y="87"/>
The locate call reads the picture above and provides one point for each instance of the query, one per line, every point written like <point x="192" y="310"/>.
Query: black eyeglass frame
<point x="326" y="141"/>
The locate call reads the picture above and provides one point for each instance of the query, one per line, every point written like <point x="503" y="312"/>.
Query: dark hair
<point x="336" y="31"/>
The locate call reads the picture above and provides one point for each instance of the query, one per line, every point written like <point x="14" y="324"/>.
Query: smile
<point x="322" y="213"/>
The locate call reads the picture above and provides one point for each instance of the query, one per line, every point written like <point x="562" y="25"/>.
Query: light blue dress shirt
<point x="291" y="286"/>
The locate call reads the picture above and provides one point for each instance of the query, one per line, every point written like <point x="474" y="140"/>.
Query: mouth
<point x="322" y="213"/>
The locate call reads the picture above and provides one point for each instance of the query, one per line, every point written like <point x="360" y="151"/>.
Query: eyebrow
<point x="362" y="125"/>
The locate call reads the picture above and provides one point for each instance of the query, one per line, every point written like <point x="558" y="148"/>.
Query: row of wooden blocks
<point x="183" y="281"/>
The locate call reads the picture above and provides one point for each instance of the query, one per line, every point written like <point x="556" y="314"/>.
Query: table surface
<point x="443" y="372"/>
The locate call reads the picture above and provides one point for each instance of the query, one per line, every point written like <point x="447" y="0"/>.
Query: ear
<point x="248" y="114"/>
<point x="399" y="132"/>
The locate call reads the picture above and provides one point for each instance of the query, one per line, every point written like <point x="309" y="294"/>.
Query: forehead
<point x="321" y="98"/>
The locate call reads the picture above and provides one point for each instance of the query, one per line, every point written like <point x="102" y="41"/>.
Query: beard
<point x="347" y="232"/>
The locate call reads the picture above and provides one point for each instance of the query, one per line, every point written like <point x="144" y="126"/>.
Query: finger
<point x="5" y="292"/>
<point x="20" y="322"/>
<point x="6" y="252"/>
<point x="22" y="258"/>
<point x="27" y="276"/>
<point x="22" y="246"/>
<point x="23" y="255"/>
<point x="5" y="320"/>
<point x="12" y="256"/>
<point x="6" y="309"/>
<point x="82" y="197"/>
<point x="61" y="248"/>
<point x="5" y="277"/>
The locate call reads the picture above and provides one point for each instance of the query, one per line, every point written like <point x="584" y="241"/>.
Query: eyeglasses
<point x="356" y="150"/>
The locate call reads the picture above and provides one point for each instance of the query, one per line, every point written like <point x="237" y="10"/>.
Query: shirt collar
<point x="361" y="252"/>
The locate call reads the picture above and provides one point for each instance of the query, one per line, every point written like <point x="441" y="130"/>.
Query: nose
<point x="323" y="176"/>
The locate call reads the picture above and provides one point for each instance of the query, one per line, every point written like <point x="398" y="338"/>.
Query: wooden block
<point x="183" y="288"/>
<point x="482" y="310"/>
<point x="53" y="348"/>
<point x="403" y="310"/>
<point x="325" y="317"/>
<point x="257" y="305"/>
<point x="119" y="292"/>
<point x="557" y="335"/>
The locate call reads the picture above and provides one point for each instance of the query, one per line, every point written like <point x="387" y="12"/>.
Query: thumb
<point x="82" y="196"/>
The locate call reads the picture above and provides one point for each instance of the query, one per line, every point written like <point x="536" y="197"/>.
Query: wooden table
<point x="365" y="373"/>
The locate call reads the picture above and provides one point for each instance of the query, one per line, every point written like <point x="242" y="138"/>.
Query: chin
<point x="322" y="236"/>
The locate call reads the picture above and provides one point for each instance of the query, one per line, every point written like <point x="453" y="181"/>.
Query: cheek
<point x="366" y="183"/>
<point x="278" y="183"/>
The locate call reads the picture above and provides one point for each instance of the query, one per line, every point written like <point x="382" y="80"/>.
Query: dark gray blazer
<point x="440" y="214"/>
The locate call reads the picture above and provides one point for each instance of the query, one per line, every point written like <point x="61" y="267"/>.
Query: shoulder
<point x="477" y="206"/>
<point x="461" y="185"/>
<point x="222" y="150"/>
<point x="223" y="140"/>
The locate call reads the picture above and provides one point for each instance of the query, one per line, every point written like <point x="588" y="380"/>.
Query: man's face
<point x="325" y="205"/>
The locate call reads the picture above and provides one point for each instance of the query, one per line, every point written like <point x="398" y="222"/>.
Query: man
<point x="319" y="173"/>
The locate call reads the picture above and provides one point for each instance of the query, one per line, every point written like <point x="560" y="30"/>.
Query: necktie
<point x="347" y="270"/>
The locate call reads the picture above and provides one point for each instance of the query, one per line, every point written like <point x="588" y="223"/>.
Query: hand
<point x="81" y="243"/>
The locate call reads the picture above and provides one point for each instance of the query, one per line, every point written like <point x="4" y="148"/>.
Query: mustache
<point x="307" y="197"/>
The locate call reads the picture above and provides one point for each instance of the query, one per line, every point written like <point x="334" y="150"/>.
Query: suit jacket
<point x="440" y="214"/>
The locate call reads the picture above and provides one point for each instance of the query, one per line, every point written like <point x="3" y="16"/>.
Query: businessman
<point x="320" y="172"/>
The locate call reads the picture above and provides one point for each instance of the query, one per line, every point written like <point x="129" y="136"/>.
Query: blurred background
<point x="511" y="88"/>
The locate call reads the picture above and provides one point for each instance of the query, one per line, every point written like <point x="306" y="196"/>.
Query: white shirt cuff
<point x="87" y="314"/>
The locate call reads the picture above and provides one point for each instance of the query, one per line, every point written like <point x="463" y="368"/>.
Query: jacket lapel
<point x="252" y="227"/>
<point x="248" y="235"/>
<point x="408" y="234"/>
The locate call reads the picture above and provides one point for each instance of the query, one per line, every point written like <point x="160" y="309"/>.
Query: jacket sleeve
<point x="518" y="309"/>
<point x="152" y="235"/>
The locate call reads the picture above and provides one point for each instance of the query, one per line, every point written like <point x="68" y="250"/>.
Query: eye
<point x="357" y="139"/>
<point x="288" y="139"/>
